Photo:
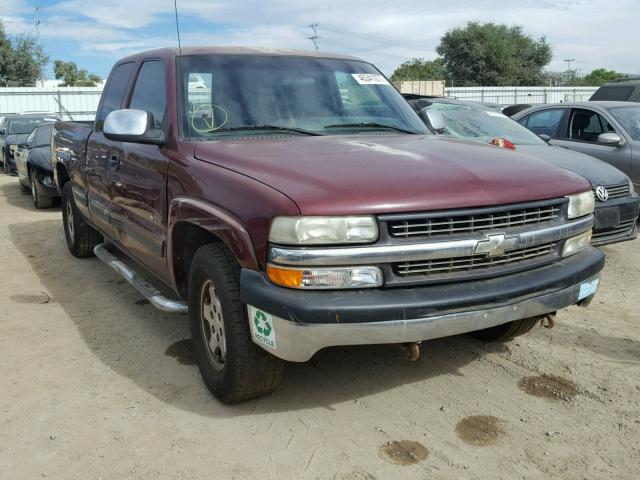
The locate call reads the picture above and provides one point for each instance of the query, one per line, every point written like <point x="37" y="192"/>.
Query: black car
<point x="617" y="204"/>
<point x="622" y="90"/>
<point x="14" y="129"/>
<point x="33" y="163"/>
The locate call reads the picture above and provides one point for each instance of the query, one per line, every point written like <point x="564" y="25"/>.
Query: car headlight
<point x="12" y="150"/>
<point x="632" y="190"/>
<point x="323" y="230"/>
<point x="325" y="278"/>
<point x="581" y="204"/>
<point x="576" y="244"/>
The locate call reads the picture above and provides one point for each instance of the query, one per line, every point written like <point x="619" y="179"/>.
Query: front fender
<point x="216" y="220"/>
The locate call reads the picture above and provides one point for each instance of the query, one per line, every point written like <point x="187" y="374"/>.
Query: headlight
<point x="12" y="150"/>
<point x="323" y="230"/>
<point x="581" y="204"/>
<point x="325" y="278"/>
<point x="632" y="190"/>
<point x="576" y="244"/>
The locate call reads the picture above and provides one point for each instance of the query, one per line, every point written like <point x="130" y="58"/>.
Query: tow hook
<point x="412" y="351"/>
<point x="550" y="320"/>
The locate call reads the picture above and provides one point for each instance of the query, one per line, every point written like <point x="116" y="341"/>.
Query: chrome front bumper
<point x="299" y="341"/>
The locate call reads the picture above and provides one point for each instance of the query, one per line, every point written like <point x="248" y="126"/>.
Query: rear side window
<point x="545" y="122"/>
<point x="613" y="93"/>
<point x="149" y="93"/>
<point x="114" y="92"/>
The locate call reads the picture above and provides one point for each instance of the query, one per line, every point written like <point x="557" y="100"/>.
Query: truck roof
<point x="234" y="50"/>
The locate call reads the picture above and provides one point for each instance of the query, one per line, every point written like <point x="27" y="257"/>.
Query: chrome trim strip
<point x="298" y="342"/>
<point x="399" y="252"/>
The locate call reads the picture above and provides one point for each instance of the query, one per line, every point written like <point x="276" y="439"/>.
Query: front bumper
<point x="615" y="221"/>
<point x="302" y="322"/>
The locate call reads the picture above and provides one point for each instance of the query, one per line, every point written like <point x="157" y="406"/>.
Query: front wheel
<point x="80" y="236"/>
<point x="233" y="368"/>
<point x="38" y="201"/>
<point x="507" y="331"/>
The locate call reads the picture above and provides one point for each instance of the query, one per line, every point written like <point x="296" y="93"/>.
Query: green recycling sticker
<point x="262" y="327"/>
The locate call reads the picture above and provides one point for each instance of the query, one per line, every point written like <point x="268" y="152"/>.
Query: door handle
<point x="114" y="162"/>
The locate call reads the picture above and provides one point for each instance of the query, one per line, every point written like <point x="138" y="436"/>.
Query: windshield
<point x="481" y="124"/>
<point x="261" y="94"/>
<point x="22" y="126"/>
<point x="629" y="117"/>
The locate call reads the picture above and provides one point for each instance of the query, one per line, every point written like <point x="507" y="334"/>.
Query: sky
<point x="94" y="34"/>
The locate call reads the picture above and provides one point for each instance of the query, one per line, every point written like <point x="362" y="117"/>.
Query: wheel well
<point x="186" y="239"/>
<point x="63" y="176"/>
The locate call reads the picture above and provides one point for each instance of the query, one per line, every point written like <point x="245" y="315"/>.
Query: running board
<point x="145" y="288"/>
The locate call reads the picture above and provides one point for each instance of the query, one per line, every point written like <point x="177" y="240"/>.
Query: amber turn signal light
<point x="285" y="277"/>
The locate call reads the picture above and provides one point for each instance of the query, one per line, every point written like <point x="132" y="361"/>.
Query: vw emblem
<point x="602" y="193"/>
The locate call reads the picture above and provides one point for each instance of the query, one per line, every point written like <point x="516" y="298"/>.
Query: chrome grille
<point x="474" y="262"/>
<point x="429" y="226"/>
<point x="615" y="191"/>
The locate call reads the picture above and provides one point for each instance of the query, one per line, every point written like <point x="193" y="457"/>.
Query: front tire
<point x="81" y="237"/>
<point x="507" y="331"/>
<point x="233" y="368"/>
<point x="38" y="201"/>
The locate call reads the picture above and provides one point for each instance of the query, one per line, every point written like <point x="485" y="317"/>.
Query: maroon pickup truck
<point x="294" y="201"/>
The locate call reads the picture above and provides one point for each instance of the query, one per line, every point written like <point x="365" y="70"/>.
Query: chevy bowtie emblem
<point x="496" y="245"/>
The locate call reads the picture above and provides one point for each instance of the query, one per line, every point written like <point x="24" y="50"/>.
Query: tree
<point x="74" y="77"/>
<point x="420" y="69"/>
<point x="599" y="76"/>
<point x="21" y="60"/>
<point x="493" y="55"/>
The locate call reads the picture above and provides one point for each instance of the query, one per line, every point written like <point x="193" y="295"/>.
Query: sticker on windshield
<point x="491" y="113"/>
<point x="370" y="79"/>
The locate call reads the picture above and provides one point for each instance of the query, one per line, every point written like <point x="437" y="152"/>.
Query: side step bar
<point x="145" y="288"/>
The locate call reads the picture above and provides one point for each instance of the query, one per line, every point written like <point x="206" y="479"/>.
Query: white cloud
<point x="387" y="33"/>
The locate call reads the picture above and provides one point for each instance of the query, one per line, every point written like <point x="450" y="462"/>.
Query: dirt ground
<point x="95" y="383"/>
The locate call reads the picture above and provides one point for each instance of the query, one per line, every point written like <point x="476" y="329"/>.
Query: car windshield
<point x="629" y="117"/>
<point x="22" y="126"/>
<point x="481" y="124"/>
<point x="268" y="94"/>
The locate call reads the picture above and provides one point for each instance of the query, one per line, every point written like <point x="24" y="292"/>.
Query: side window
<point x="149" y="93"/>
<point x="114" y="92"/>
<point x="545" y="122"/>
<point x="43" y="135"/>
<point x="587" y="125"/>
<point x="30" y="139"/>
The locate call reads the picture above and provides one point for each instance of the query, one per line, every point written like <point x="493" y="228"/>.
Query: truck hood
<point x="373" y="174"/>
<point x="594" y="170"/>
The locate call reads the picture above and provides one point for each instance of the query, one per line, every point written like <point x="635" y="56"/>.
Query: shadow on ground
<point x="15" y="198"/>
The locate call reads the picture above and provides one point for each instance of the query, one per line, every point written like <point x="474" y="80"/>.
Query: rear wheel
<point x="233" y="368"/>
<point x="38" y="200"/>
<point x="80" y="236"/>
<point x="507" y="331"/>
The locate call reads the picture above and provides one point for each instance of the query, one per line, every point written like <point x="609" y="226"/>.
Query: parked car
<point x="623" y="90"/>
<point x="609" y="131"/>
<point x="287" y="219"/>
<point x="35" y="171"/>
<point x="15" y="129"/>
<point x="617" y="204"/>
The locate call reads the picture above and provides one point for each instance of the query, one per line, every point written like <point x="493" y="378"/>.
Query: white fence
<point x="81" y="103"/>
<point x="77" y="103"/>
<point x="512" y="95"/>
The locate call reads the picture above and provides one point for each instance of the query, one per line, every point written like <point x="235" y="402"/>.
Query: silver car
<point x="609" y="131"/>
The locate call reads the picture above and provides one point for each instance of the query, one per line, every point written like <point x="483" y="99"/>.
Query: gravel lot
<point x="95" y="384"/>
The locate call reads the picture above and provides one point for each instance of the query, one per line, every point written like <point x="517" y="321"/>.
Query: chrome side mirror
<point x="612" y="139"/>
<point x="133" y="126"/>
<point x="434" y="119"/>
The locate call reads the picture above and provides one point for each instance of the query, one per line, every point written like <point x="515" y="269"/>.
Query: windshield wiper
<point x="265" y="127"/>
<point x="372" y="125"/>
